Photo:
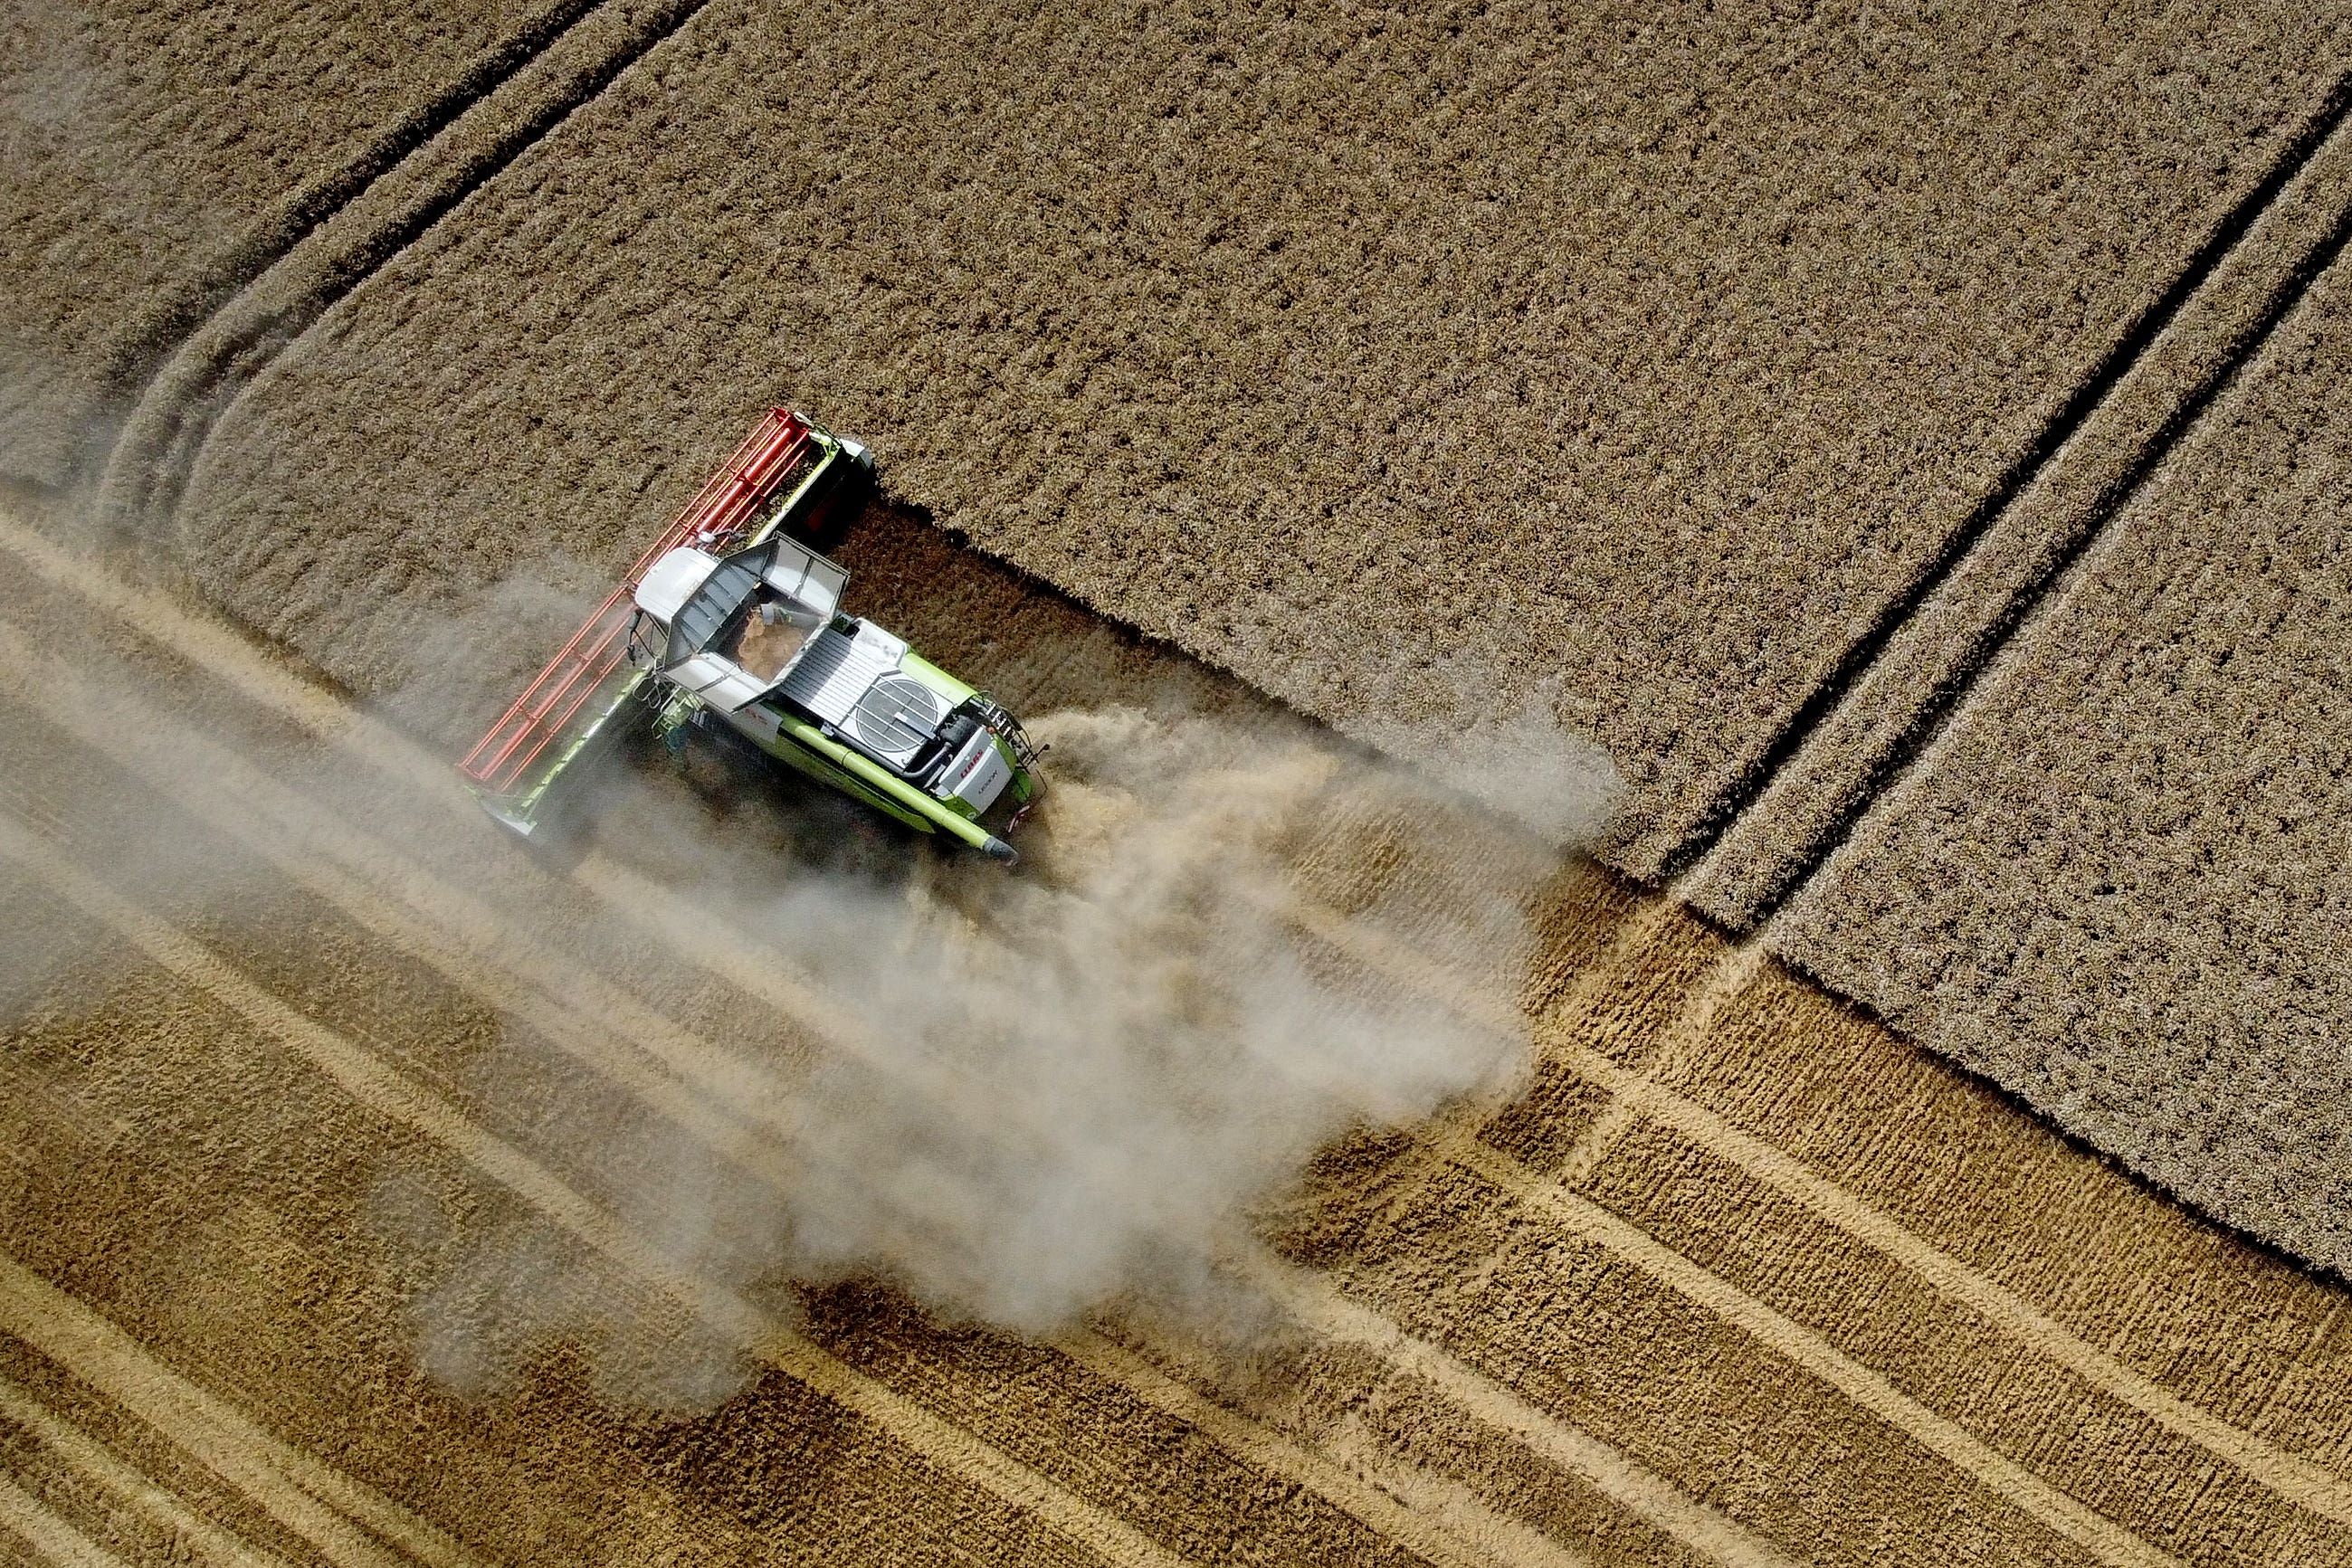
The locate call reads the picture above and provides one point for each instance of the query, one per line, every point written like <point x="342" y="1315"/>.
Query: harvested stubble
<point x="1406" y="363"/>
<point x="1803" y="1293"/>
<point x="2118" y="884"/>
<point x="153" y="157"/>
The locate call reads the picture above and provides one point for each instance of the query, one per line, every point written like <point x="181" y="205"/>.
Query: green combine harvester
<point x="734" y="616"/>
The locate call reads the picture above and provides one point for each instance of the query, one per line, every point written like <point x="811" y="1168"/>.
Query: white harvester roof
<point x="672" y="581"/>
<point x="702" y="599"/>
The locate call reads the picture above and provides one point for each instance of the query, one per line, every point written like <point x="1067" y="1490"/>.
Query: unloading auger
<point x="733" y="616"/>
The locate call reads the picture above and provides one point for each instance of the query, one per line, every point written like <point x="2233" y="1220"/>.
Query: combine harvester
<point x="733" y="616"/>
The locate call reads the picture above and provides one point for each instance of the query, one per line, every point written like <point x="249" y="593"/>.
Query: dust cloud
<point x="1043" y="1091"/>
<point x="1019" y="1096"/>
<point x="1077" y="1083"/>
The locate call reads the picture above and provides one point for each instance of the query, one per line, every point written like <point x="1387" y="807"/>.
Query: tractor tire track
<point x="1461" y="1533"/>
<point x="2296" y="1480"/>
<point x="346" y="1522"/>
<point x="1615" y="1474"/>
<point x="156" y="327"/>
<point x="2105" y="1539"/>
<point x="1871" y="722"/>
<point x="354" y="223"/>
<point x="1765" y="832"/>
<point x="57" y="1543"/>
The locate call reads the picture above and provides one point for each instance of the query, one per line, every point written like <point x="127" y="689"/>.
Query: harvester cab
<point x="734" y="617"/>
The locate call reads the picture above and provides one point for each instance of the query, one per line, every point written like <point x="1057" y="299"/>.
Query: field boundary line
<point x="161" y="1507"/>
<point x="2296" y="1480"/>
<point x="1608" y="1470"/>
<point x="396" y="1098"/>
<point x="1706" y="826"/>
<point x="46" y="1532"/>
<point x="2060" y="1512"/>
<point x="296" y="1490"/>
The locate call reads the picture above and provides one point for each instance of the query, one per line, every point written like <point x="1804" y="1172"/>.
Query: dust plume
<point x="1041" y="1093"/>
<point x="1075" y="1083"/>
<point x="1019" y="1096"/>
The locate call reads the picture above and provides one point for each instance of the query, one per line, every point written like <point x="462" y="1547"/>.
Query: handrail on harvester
<point x="714" y="520"/>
